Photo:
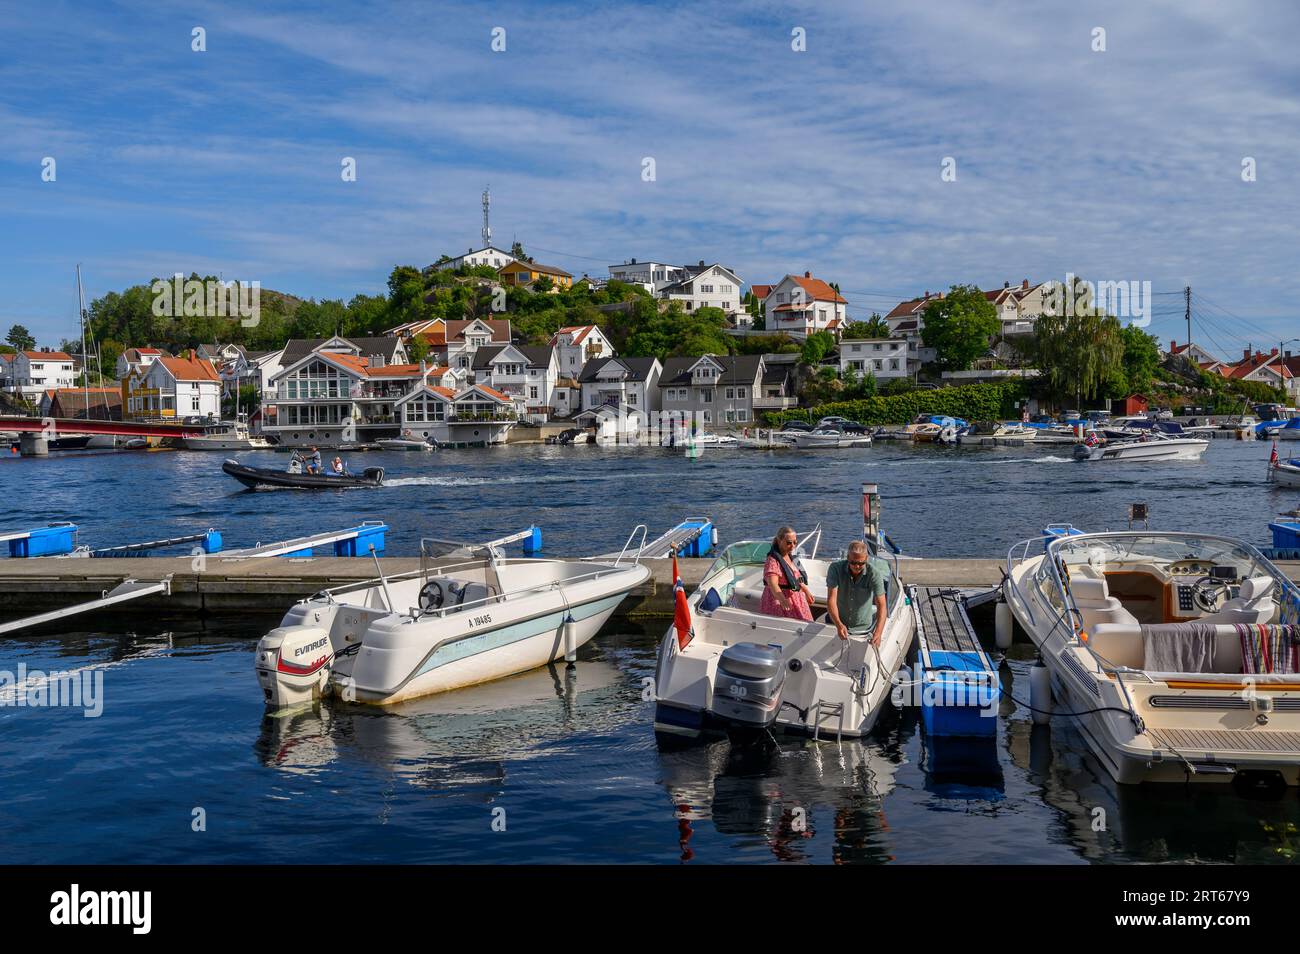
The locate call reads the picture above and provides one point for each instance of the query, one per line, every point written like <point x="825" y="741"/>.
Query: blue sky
<point x="1118" y="165"/>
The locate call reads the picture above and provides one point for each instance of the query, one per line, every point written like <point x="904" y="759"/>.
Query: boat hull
<point x="1144" y="450"/>
<point x="255" y="477"/>
<point x="1287" y="475"/>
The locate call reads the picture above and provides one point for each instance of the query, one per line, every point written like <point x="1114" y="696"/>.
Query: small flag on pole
<point x="682" y="612"/>
<point x="1272" y="458"/>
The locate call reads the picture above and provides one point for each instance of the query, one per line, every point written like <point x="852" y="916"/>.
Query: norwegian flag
<point x="1272" y="458"/>
<point x="682" y="613"/>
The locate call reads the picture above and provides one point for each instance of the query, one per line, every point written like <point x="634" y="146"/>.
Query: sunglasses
<point x="857" y="562"/>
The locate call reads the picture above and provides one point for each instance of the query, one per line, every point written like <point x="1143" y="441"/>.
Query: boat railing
<point x="1014" y="561"/>
<point x="640" y="528"/>
<point x="443" y="611"/>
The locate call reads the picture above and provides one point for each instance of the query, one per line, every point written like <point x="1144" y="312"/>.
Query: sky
<point x="1122" y="164"/>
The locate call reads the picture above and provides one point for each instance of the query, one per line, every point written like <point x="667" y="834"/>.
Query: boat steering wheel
<point x="1208" y="593"/>
<point x="431" y="596"/>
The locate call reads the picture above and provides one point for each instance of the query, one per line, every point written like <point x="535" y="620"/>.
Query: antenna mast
<point x="487" y="228"/>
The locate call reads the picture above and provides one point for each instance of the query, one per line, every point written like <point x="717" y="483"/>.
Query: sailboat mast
<point x="85" y="363"/>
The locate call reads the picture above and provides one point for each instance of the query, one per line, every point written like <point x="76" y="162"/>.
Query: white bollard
<point x="1003" y="626"/>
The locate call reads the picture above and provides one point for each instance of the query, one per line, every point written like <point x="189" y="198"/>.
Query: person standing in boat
<point x="785" y="582"/>
<point x="855" y="595"/>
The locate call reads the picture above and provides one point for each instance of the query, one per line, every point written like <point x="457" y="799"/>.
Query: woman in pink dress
<point x="785" y="584"/>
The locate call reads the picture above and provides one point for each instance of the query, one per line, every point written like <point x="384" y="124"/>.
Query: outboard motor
<point x="747" y="690"/>
<point x="374" y="474"/>
<point x="293" y="664"/>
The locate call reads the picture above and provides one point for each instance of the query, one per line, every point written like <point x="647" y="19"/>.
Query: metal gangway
<point x="355" y="541"/>
<point x="694" y="534"/>
<point x="126" y="590"/>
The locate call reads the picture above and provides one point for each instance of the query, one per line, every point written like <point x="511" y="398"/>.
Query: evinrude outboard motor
<point x="747" y="690"/>
<point x="293" y="664"/>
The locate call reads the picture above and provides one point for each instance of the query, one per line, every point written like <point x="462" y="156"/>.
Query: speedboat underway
<point x="296" y="476"/>
<point x="1178" y="654"/>
<point x="1156" y="446"/>
<point x="478" y="617"/>
<point x="742" y="671"/>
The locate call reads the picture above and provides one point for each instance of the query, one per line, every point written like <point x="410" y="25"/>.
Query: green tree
<point x="417" y="349"/>
<point x="873" y="327"/>
<point x="1078" y="348"/>
<point x="816" y="347"/>
<point x="20" y="338"/>
<point x="517" y="251"/>
<point x="959" y="326"/>
<point x="1140" y="360"/>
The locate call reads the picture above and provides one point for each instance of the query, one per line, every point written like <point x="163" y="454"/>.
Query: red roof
<point x="500" y="396"/>
<point x="48" y="356"/>
<point x="579" y="332"/>
<point x="760" y="291"/>
<point x="818" y="289"/>
<point x="190" y="369"/>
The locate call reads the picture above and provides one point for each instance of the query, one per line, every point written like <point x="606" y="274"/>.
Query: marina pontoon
<point x="468" y="615"/>
<point x="1177" y="654"/>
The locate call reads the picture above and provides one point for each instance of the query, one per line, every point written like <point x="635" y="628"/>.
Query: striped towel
<point x="1267" y="648"/>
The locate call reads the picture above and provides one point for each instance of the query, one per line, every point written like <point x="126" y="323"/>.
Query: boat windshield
<point x="754" y="552"/>
<point x="1113" y="550"/>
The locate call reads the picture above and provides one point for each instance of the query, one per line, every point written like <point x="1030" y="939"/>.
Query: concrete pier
<point x="271" y="584"/>
<point x="31" y="444"/>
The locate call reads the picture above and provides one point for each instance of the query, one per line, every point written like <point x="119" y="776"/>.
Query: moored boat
<point x="1177" y="654"/>
<point x="224" y="436"/>
<point x="481" y="617"/>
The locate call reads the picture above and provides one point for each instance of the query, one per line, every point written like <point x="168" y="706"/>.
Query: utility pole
<point x="1187" y="297"/>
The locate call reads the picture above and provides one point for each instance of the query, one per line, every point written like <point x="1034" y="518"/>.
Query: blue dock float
<point x="956" y="682"/>
<point x="53" y="540"/>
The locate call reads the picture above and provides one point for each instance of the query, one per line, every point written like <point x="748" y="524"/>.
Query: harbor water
<point x="183" y="765"/>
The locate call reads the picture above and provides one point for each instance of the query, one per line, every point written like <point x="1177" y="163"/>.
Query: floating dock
<point x="211" y="584"/>
<point x="957" y="681"/>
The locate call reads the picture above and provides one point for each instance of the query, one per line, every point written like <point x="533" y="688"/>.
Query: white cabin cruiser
<point x="407" y="442"/>
<point x="1177" y="654"/>
<point x="468" y="618"/>
<point x="830" y="437"/>
<point x="743" y="672"/>
<point x="225" y="436"/>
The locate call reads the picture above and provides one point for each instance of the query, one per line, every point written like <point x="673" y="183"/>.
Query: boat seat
<point x="1122" y="644"/>
<point x="1095" y="603"/>
<point x="1253" y="603"/>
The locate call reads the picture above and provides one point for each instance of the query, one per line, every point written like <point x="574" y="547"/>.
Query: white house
<point x="35" y="372"/>
<point x="882" y="357"/>
<point x="172" y="388"/>
<point x="527" y="374"/>
<point x="705" y="286"/>
<point x="576" y="345"/>
<point x="490" y="256"/>
<point x="652" y="275"/>
<point x="7" y="371"/>
<point x="802" y="304"/>
<point x="135" y="359"/>
<point x="907" y="320"/>
<point x="474" y="414"/>
<point x="621" y="383"/>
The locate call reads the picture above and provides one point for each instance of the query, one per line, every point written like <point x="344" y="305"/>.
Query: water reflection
<point x="781" y="796"/>
<point x="1107" y="822"/>
<point x="462" y="741"/>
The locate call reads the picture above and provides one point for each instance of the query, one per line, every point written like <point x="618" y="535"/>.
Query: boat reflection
<point x="785" y="794"/>
<point x="459" y="741"/>
<point x="1107" y="822"/>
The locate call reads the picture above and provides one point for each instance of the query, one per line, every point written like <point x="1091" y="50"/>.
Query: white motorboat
<point x="468" y="617"/>
<point x="1019" y="431"/>
<point x="225" y="436"/>
<point x="828" y="437"/>
<point x="1291" y="432"/>
<point x="1176" y="653"/>
<point x="407" y="442"/>
<point x="1157" y="447"/>
<point x="1286" y="473"/>
<point x="744" y="672"/>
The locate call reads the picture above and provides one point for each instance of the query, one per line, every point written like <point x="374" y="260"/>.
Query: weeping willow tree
<point x="1077" y="346"/>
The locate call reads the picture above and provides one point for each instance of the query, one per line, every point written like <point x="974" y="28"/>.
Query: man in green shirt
<point x="855" y="595"/>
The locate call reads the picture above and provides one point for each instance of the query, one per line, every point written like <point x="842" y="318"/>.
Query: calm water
<point x="569" y="761"/>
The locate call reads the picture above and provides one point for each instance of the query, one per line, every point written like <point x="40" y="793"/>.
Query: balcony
<point x="764" y="403"/>
<point x="482" y="416"/>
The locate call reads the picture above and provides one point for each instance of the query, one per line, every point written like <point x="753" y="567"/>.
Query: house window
<point x="878" y="364"/>
<point x="708" y="417"/>
<point x="740" y="393"/>
<point x="731" y="416"/>
<point x="731" y="394"/>
<point x="532" y="393"/>
<point x="631" y="399"/>
<point x="893" y="364"/>
<point x="194" y="403"/>
<point x="706" y="395"/>
<point x="742" y="415"/>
